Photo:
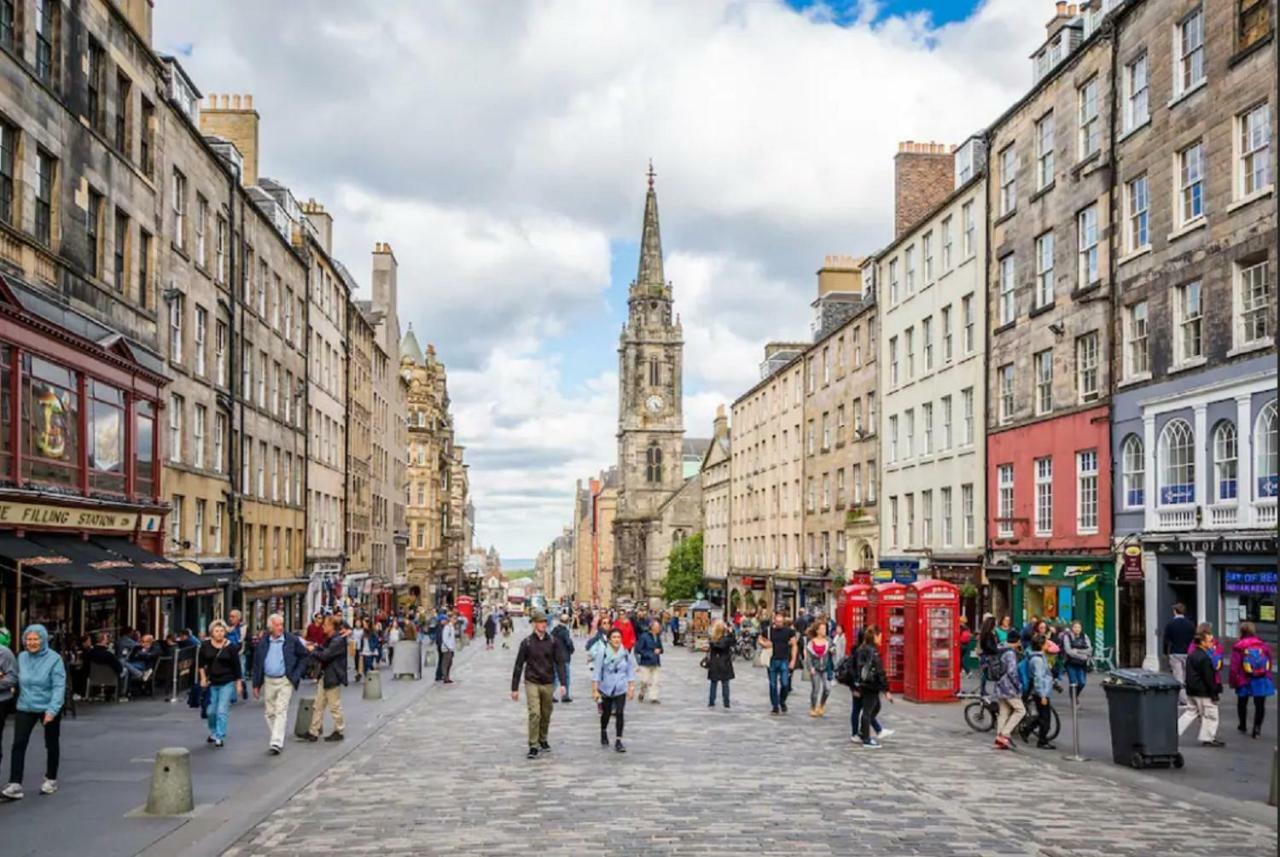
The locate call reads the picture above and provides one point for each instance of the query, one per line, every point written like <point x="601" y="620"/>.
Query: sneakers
<point x="311" y="738"/>
<point x="217" y="743"/>
<point x="274" y="749"/>
<point x="48" y="787"/>
<point x="784" y="708"/>
<point x="210" y="740"/>
<point x="13" y="791"/>
<point x="544" y="746"/>
<point x="775" y="710"/>
<point x="1214" y="743"/>
<point x="567" y="699"/>
<point x="884" y="733"/>
<point x="617" y="746"/>
<point x="1045" y="745"/>
<point x="146" y="674"/>
<point x="532" y="754"/>
<point x="334" y="737"/>
<point x="604" y="739"/>
<point x="656" y="701"/>
<point x="871" y="744"/>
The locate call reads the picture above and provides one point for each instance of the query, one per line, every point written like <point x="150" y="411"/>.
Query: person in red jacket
<point x="628" y="633"/>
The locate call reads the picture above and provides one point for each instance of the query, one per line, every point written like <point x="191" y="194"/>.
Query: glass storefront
<point x="1248" y="595"/>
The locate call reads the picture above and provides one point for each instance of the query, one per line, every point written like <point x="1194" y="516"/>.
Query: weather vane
<point x="651" y="173"/>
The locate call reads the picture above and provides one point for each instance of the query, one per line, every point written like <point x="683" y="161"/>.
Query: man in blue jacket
<point x="649" y="660"/>
<point x="278" y="665"/>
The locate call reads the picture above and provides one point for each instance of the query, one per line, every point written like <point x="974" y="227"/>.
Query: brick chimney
<point x="322" y="221"/>
<point x="233" y="118"/>
<point x="1062" y="13"/>
<point x="923" y="176"/>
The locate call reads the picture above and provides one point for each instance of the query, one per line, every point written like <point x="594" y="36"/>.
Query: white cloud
<point x="499" y="147"/>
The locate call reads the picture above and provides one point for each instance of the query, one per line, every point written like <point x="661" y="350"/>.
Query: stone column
<point x="1202" y="585"/>
<point x="1203" y="479"/>
<point x="1151" y="608"/>
<point x="1244" y="461"/>
<point x="1150" y="478"/>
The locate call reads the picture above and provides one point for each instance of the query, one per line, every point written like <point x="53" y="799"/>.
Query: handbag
<point x="705" y="663"/>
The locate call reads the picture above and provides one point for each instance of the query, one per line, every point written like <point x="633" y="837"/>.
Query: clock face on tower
<point x="654" y="404"/>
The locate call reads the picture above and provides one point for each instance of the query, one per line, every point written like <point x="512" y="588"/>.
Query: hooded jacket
<point x="8" y="674"/>
<point x="42" y="678"/>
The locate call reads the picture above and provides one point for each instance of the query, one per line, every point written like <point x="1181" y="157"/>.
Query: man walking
<point x="278" y="665"/>
<point x="1178" y="636"/>
<point x="1008" y="692"/>
<point x="448" y="645"/>
<point x="235" y="636"/>
<point x="649" y="659"/>
<point x="564" y="639"/>
<point x="333" y="678"/>
<point x="540" y="662"/>
<point x="783" y="644"/>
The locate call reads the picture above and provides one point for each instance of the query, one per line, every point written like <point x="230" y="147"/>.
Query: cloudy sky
<point x="500" y="147"/>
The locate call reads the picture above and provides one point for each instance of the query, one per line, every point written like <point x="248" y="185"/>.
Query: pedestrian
<point x="1041" y="688"/>
<point x="508" y="627"/>
<point x="598" y="640"/>
<point x="333" y="678"/>
<point x="612" y="684"/>
<point x="370" y="648"/>
<point x="1179" y="635"/>
<point x="564" y="639"/>
<point x="967" y="643"/>
<point x="839" y="644"/>
<point x="1203" y="689"/>
<point x="5" y="637"/>
<point x="448" y="647"/>
<point x="719" y="662"/>
<point x="315" y="630"/>
<point x="279" y="662"/>
<point x="783" y="644"/>
<point x="42" y="688"/>
<point x="539" y="662"/>
<point x="221" y="677"/>
<point x="1008" y="691"/>
<point x="490" y="629"/>
<point x="989" y="642"/>
<point x="394" y="634"/>
<point x="8" y="686"/>
<point x="870" y="682"/>
<point x="674" y="623"/>
<point x="235" y="636"/>
<point x="819" y="662"/>
<point x="355" y="644"/>
<point x="1004" y="629"/>
<point x="1077" y="650"/>
<point x="649" y="658"/>
<point x="1250" y="676"/>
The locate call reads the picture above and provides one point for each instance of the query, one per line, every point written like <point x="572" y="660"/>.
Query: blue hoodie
<point x="42" y="679"/>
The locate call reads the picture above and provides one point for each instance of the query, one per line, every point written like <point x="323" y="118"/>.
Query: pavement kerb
<point x="212" y="829"/>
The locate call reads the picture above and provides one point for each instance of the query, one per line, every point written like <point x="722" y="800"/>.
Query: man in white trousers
<point x="278" y="664"/>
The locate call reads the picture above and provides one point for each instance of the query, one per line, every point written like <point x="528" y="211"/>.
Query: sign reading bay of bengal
<point x="33" y="515"/>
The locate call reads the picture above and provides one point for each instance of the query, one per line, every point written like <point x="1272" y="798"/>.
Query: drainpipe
<point x="235" y="489"/>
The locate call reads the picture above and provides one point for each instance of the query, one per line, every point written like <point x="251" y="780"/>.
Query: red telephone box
<point x="851" y="613"/>
<point x="885" y="607"/>
<point x="933" y="641"/>
<point x="466" y="607"/>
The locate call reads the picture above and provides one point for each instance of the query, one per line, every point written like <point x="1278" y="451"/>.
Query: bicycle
<point x="982" y="713"/>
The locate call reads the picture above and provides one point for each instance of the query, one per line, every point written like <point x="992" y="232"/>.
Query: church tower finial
<point x="650" y="273"/>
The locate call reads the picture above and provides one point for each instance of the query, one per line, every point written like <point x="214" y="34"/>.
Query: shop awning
<point x="97" y="558"/>
<point x="146" y="570"/>
<point x="53" y="563"/>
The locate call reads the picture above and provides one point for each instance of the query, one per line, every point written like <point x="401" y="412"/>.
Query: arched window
<point x="653" y="463"/>
<point x="1134" y="472"/>
<point x="868" y="559"/>
<point x="1224" y="461"/>
<point x="1266" y="452"/>
<point x="1177" y="464"/>
<point x="654" y="376"/>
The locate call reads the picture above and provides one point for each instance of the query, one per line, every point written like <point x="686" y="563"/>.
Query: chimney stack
<point x="234" y="118"/>
<point x="322" y="221"/>
<point x="840" y="275"/>
<point x="923" y="176"/>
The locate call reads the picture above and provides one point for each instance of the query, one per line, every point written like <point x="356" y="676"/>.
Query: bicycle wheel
<point x="979" y="716"/>
<point x="1055" y="725"/>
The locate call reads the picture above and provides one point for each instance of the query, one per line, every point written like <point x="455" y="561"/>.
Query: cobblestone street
<point x="449" y="774"/>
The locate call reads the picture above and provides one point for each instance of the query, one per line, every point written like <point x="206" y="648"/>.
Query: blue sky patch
<point x="942" y="11"/>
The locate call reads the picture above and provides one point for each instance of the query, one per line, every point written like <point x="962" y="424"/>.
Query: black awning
<point x="57" y="559"/>
<point x="143" y="569"/>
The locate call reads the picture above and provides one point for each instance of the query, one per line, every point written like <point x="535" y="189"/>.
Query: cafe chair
<point x="102" y="678"/>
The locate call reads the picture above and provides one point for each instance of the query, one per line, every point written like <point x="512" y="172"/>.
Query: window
<point x="966" y="316"/>
<point x="1255" y="150"/>
<point x="893" y="281"/>
<point x="872" y="424"/>
<point x="926" y="335"/>
<point x="144" y="267"/>
<point x="1008" y="302"/>
<point x="215" y="530"/>
<point x="1189" y="53"/>
<point x="909" y="268"/>
<point x="202" y="218"/>
<point x="1044" y="496"/>
<point x="893" y="439"/>
<point x="175" y="328"/>
<point x="1267" y="452"/>
<point x="1044" y="380"/>
<point x="826" y="430"/>
<point x="909" y="430"/>
<point x="945" y="443"/>
<point x="945" y="515"/>
<point x="46" y="175"/>
<point x="1008" y="179"/>
<point x="1224" y="462"/>
<point x="946" y="244"/>
<point x="176" y="405"/>
<point x="1253" y="23"/>
<point x="1137" y="357"/>
<point x="1137" y="203"/>
<point x="826" y="491"/>
<point x="179" y="210"/>
<point x="1005" y="374"/>
<point x="146" y="141"/>
<point x="926" y="416"/>
<point x="1004" y="500"/>
<point x="197" y="435"/>
<point x="47" y="42"/>
<point x="893" y="361"/>
<point x="840" y="488"/>
<point x="893" y="521"/>
<point x="96" y="80"/>
<point x="1087" y="492"/>
<point x="812" y="438"/>
<point x="926" y="254"/>
<point x="1090" y="124"/>
<point x="220" y="353"/>
<point x="826" y="365"/>
<point x="653" y="463"/>
<point x="966" y="224"/>
<point x="124" y="87"/>
<point x="1136" y="112"/>
<point x="6" y="23"/>
<point x="1087" y="251"/>
<point x="1044" y="270"/>
<point x="926" y="518"/>
<point x="857" y="418"/>
<point x="1187" y="322"/>
<point x="1133" y="472"/>
<point x="263" y="366"/>
<point x="1044" y="151"/>
<point x="857" y="483"/>
<point x="910" y="503"/>
<point x="946" y="334"/>
<point x="966" y="510"/>
<point x="966" y="397"/>
<point x="1087" y="366"/>
<point x="871" y="480"/>
<point x="1190" y="183"/>
<point x="909" y="346"/>
<point x="1254" y="302"/>
<point x="260" y="468"/>
<point x="1177" y="464"/>
<point x="219" y="443"/>
<point x="811" y="494"/>
<point x="120" y="250"/>
<point x="175" y="521"/>
<point x="93" y="234"/>
<point x="8" y="158"/>
<point x="202" y="327"/>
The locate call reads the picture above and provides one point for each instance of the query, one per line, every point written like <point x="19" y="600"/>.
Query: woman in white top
<point x="357" y="647"/>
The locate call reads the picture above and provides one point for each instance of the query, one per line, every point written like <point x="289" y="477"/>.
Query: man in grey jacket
<point x="8" y="686"/>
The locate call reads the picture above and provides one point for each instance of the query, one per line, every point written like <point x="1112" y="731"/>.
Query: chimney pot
<point x="235" y="102"/>
<point x="248" y="102"/>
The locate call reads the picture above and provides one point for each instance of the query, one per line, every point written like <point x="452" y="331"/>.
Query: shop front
<point x="715" y="593"/>
<point x="286" y="597"/>
<point x="966" y="576"/>
<point x="815" y="594"/>
<point x="897" y="569"/>
<point x="749" y="594"/>
<point x="1064" y="590"/>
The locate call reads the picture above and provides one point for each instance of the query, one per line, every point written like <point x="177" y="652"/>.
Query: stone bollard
<point x="372" y="685"/>
<point x="171" y="792"/>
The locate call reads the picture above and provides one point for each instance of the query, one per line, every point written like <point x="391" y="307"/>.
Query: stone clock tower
<point x="650" y="422"/>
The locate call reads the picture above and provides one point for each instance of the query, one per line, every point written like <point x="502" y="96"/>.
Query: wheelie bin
<point x="1142" y="708"/>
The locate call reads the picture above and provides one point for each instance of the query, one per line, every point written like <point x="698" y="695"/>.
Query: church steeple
<point x="650" y="273"/>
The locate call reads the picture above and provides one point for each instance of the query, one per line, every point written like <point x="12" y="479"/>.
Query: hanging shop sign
<point x="37" y="515"/>
<point x="1131" y="567"/>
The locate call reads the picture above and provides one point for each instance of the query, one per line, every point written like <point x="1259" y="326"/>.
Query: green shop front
<point x="1066" y="590"/>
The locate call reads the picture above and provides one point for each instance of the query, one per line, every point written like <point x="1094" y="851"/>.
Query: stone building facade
<point x="716" y="499"/>
<point x="358" y="542"/>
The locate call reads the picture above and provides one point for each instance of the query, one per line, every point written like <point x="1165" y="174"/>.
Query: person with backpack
<point x="819" y="662"/>
<point x="613" y="682"/>
<point x="989" y="642"/>
<point x="564" y="639"/>
<point x="1008" y="691"/>
<point x="1041" y="688"/>
<point x="1077" y="651"/>
<point x="871" y="681"/>
<point x="1203" y="687"/>
<point x="1250" y="676"/>
<point x="649" y="660"/>
<point x="719" y="662"/>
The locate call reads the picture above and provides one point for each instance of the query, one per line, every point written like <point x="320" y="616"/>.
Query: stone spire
<point x="650" y="273"/>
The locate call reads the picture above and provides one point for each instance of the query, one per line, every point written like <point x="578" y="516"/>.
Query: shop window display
<point x="51" y="414"/>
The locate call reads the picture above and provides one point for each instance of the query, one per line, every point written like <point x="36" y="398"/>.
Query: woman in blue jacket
<point x="42" y="687"/>
<point x="613" y="683"/>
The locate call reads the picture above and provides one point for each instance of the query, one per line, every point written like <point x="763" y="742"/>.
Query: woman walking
<point x="370" y="649"/>
<point x="819" y="662"/>
<point x="221" y="677"/>
<point x="719" y="663"/>
<point x="613" y="683"/>
<point x="1077" y="651"/>
<point x="870" y="682"/>
<point x="508" y="626"/>
<point x="1250" y="675"/>
<point x="42" y="688"/>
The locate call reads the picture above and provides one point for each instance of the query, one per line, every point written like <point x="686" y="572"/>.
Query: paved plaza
<point x="448" y="775"/>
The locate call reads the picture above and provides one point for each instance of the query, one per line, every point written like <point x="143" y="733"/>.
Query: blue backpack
<point x="1255" y="663"/>
<point x="1024" y="675"/>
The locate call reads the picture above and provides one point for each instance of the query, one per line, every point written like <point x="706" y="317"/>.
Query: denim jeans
<point x="1075" y="675"/>
<point x="220" y="696"/>
<point x="855" y="716"/>
<point x="568" y="679"/>
<point x="724" y="685"/>
<point x="779" y="682"/>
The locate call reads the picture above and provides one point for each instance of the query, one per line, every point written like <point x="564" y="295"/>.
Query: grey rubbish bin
<point x="407" y="660"/>
<point x="1142" y="708"/>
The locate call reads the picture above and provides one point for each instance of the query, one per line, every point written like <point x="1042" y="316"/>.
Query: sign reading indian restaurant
<point x="33" y="515"/>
